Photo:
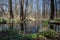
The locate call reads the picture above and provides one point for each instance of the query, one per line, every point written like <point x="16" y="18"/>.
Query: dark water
<point x="29" y="27"/>
<point x="57" y="27"/>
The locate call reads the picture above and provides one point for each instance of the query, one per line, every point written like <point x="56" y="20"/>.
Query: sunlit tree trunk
<point x="43" y="9"/>
<point x="37" y="9"/>
<point x="16" y="7"/>
<point x="26" y="6"/>
<point x="59" y="8"/>
<point x="56" y="9"/>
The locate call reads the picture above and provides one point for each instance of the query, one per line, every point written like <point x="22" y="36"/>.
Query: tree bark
<point x="10" y="9"/>
<point x="21" y="10"/>
<point x="26" y="6"/>
<point x="52" y="13"/>
<point x="22" y="18"/>
<point x="56" y="9"/>
<point x="52" y="10"/>
<point x="16" y="7"/>
<point x="43" y="9"/>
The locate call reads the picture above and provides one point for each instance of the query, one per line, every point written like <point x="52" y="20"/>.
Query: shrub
<point x="57" y="19"/>
<point x="45" y="23"/>
<point x="49" y="34"/>
<point x="10" y="35"/>
<point x="31" y="36"/>
<point x="13" y="21"/>
<point x="10" y="21"/>
<point x="34" y="37"/>
<point x="2" y="20"/>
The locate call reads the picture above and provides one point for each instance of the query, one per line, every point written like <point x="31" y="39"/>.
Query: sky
<point x="33" y="1"/>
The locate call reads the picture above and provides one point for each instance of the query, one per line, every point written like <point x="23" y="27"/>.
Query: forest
<point x="29" y="19"/>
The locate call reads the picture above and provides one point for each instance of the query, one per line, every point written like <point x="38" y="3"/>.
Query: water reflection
<point x="55" y="27"/>
<point x="28" y="27"/>
<point x="3" y="27"/>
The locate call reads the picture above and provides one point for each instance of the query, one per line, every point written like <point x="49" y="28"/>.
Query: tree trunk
<point x="52" y="13"/>
<point x="10" y="9"/>
<point x="26" y="6"/>
<point x="22" y="15"/>
<point x="16" y="7"/>
<point x="21" y="10"/>
<point x="52" y="10"/>
<point x="59" y="8"/>
<point x="43" y="9"/>
<point x="56" y="9"/>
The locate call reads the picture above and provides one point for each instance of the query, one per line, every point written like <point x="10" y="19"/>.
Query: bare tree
<point x="52" y="13"/>
<point x="22" y="15"/>
<point x="56" y="9"/>
<point x="16" y="4"/>
<point x="52" y="10"/>
<point x="26" y="6"/>
<point x="43" y="8"/>
<point x="10" y="9"/>
<point x="38" y="8"/>
<point x="22" y="9"/>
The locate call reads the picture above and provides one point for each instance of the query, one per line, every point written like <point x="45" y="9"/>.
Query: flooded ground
<point x="29" y="27"/>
